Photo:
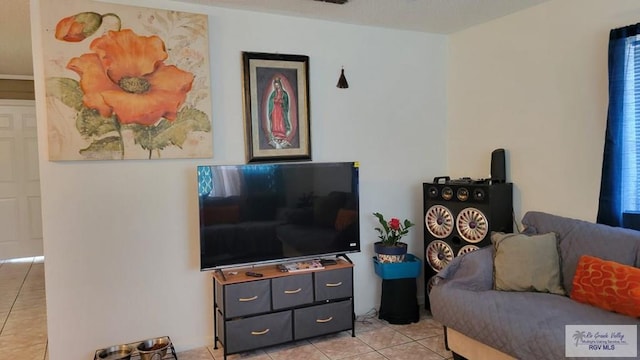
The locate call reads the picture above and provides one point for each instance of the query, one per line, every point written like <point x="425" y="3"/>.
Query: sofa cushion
<point x="525" y="325"/>
<point x="579" y="237"/>
<point x="224" y="214"/>
<point x="607" y="285"/>
<point x="325" y="208"/>
<point x="526" y="263"/>
<point x="299" y="216"/>
<point x="261" y="207"/>
<point x="345" y="218"/>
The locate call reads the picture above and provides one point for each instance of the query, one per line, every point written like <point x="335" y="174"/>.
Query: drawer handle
<point x="334" y="284"/>
<point x="324" y="320"/>
<point x="260" y="332"/>
<point x="293" y="291"/>
<point x="248" y="299"/>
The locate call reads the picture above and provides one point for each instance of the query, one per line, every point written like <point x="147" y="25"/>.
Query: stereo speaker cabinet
<point x="280" y="307"/>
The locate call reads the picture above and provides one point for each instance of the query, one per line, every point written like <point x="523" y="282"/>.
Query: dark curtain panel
<point x="262" y="179"/>
<point x="610" y="205"/>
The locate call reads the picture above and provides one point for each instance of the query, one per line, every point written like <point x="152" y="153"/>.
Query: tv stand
<point x="221" y="274"/>
<point x="281" y="307"/>
<point x="346" y="258"/>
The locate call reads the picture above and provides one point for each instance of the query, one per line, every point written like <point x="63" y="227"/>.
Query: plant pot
<point x="409" y="268"/>
<point x="390" y="253"/>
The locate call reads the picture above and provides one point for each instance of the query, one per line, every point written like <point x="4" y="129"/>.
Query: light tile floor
<point x="23" y="330"/>
<point x="23" y="317"/>
<point x="375" y="339"/>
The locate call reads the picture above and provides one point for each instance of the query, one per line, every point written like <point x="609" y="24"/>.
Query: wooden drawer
<point x="252" y="297"/>
<point x="333" y="284"/>
<point x="289" y="291"/>
<point x="258" y="331"/>
<point x="323" y="319"/>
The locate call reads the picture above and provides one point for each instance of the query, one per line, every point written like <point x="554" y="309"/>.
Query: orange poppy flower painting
<point x="125" y="82"/>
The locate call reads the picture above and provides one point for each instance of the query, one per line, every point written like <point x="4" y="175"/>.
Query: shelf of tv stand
<point x="331" y="291"/>
<point x="226" y="277"/>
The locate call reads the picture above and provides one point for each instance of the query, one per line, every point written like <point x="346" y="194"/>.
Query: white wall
<point x="121" y="237"/>
<point x="535" y="83"/>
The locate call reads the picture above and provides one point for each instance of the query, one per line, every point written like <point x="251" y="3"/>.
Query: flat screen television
<point x="279" y="212"/>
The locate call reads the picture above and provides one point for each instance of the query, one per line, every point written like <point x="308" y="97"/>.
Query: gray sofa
<point x="483" y="323"/>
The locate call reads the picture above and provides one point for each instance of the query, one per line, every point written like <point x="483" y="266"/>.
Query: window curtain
<point x="263" y="179"/>
<point x="205" y="181"/>
<point x="622" y="68"/>
<point x="226" y="181"/>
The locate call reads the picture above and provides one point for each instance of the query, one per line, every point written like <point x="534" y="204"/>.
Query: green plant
<point x="392" y="230"/>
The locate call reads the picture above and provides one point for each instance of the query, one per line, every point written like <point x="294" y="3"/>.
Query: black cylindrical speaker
<point x="498" y="167"/>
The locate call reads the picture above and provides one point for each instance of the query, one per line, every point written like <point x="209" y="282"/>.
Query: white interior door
<point x="20" y="214"/>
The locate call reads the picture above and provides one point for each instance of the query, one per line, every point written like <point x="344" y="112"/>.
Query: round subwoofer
<point x="439" y="221"/>
<point x="439" y="254"/>
<point x="472" y="225"/>
<point x="467" y="249"/>
<point x="447" y="193"/>
<point x="462" y="194"/>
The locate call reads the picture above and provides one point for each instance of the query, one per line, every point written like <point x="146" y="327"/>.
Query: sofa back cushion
<point x="579" y="237"/>
<point x="220" y="210"/>
<point x="325" y="208"/>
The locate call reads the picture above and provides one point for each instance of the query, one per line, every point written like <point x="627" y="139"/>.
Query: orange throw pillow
<point x="229" y="214"/>
<point x="607" y="285"/>
<point x="345" y="218"/>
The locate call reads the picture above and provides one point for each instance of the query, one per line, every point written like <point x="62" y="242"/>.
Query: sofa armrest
<point x="472" y="271"/>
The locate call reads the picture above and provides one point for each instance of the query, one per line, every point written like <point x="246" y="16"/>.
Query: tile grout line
<point x="46" y="349"/>
<point x="2" y="262"/>
<point x="374" y="350"/>
<point x="4" y="323"/>
<point x="46" y="343"/>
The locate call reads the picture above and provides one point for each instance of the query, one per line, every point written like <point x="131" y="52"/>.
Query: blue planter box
<point x="409" y="268"/>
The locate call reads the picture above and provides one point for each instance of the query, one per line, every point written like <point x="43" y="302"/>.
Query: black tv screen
<point x="277" y="212"/>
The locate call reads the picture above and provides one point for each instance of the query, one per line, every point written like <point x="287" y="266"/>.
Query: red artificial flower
<point x="391" y="231"/>
<point x="394" y="224"/>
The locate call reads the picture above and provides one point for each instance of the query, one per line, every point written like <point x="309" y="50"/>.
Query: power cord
<point x="367" y="317"/>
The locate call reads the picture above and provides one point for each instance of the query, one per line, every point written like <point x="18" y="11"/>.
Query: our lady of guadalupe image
<point x="280" y="114"/>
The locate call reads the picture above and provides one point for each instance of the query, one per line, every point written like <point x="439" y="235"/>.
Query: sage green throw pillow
<point x="526" y="263"/>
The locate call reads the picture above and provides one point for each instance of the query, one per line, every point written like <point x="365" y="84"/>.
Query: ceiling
<point x="433" y="16"/>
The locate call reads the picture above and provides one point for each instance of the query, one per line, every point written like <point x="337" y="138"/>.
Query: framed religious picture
<point x="276" y="107"/>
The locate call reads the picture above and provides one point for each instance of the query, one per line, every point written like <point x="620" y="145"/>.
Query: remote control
<point x="253" y="274"/>
<point x="327" y="262"/>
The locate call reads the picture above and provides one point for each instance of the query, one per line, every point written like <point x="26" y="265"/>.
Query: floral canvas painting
<point x="125" y="82"/>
